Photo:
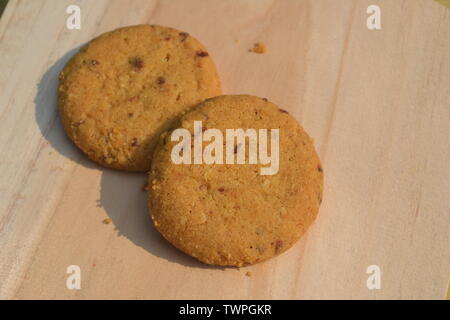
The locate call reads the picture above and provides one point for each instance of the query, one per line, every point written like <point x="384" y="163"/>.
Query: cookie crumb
<point x="91" y="62"/>
<point x="278" y="245"/>
<point x="183" y="35"/>
<point x="107" y="221"/>
<point x="161" y="80"/>
<point x="78" y="123"/>
<point x="258" y="47"/>
<point x="248" y="274"/>
<point x="202" y="54"/>
<point x="137" y="63"/>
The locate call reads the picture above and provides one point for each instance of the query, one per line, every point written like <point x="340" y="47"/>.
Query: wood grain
<point x="376" y="103"/>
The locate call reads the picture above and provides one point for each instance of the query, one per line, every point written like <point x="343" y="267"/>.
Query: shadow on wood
<point x="47" y="115"/>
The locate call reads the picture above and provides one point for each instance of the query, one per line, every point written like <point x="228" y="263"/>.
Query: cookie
<point x="124" y="88"/>
<point x="232" y="214"/>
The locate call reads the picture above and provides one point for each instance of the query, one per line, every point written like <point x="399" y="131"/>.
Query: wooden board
<point x="375" y="101"/>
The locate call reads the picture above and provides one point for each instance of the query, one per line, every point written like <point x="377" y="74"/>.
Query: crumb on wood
<point x="107" y="221"/>
<point x="258" y="47"/>
<point x="248" y="274"/>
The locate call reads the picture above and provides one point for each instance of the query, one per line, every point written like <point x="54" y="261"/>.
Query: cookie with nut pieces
<point x="230" y="214"/>
<point x="127" y="86"/>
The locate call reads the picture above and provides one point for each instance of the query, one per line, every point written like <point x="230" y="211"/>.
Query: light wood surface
<point x="377" y="104"/>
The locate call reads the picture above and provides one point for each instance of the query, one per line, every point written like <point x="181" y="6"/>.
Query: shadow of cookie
<point x="47" y="115"/>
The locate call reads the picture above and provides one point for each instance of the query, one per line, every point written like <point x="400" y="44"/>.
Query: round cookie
<point x="125" y="87"/>
<point x="231" y="214"/>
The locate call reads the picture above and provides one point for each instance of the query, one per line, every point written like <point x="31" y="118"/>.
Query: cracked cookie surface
<point x="125" y="87"/>
<point x="230" y="214"/>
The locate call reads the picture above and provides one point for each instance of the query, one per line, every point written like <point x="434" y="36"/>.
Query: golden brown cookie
<point x="127" y="86"/>
<point x="231" y="214"/>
